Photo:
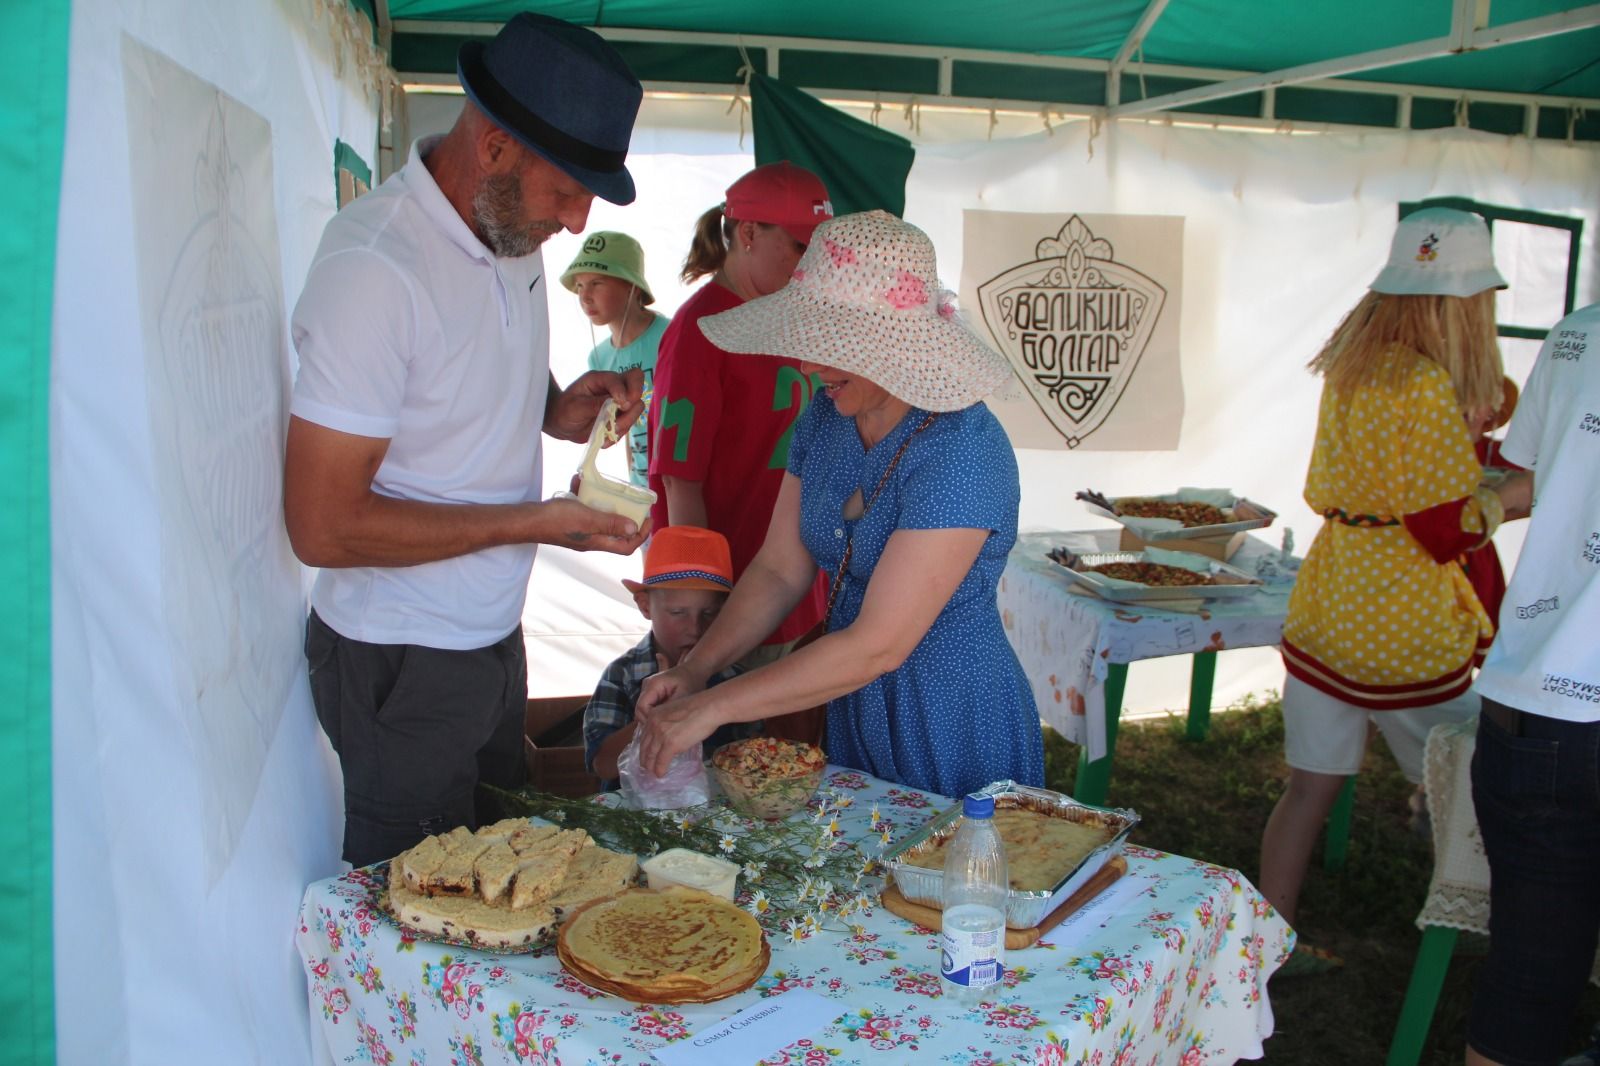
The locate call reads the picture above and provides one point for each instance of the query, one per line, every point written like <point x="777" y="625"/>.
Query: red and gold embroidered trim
<point x="1366" y="521"/>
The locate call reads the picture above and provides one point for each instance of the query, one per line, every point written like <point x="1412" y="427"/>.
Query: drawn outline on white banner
<point x="218" y="384"/>
<point x="1073" y="323"/>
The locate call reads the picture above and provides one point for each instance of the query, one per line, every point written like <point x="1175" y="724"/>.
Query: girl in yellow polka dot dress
<point x="1382" y="617"/>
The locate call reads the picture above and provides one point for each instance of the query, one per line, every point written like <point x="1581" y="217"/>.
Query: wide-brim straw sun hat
<point x="866" y="299"/>
<point x="1439" y="251"/>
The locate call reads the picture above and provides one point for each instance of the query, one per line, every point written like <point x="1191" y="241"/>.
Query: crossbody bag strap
<point x="849" y="544"/>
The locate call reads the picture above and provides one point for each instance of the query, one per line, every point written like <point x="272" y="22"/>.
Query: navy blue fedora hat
<point x="562" y="91"/>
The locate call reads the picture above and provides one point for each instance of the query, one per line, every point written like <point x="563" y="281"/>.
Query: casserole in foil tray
<point x="1024" y="909"/>
<point x="1223" y="581"/>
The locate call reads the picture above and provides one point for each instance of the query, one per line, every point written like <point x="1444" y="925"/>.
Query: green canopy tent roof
<point x="1505" y="66"/>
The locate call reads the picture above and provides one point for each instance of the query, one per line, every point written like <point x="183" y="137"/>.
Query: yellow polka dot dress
<point x="1382" y="614"/>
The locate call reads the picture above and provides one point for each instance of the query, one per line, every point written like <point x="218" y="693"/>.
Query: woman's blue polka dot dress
<point x="958" y="713"/>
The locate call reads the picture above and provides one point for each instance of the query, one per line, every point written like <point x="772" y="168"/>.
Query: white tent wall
<point x="1282" y="233"/>
<point x="189" y="813"/>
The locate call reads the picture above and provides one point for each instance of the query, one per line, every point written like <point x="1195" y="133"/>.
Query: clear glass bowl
<point x="768" y="778"/>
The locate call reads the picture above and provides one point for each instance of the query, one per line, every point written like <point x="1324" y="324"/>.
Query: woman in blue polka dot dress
<point x="903" y="487"/>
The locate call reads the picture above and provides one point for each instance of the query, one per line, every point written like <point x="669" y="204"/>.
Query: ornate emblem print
<point x="1073" y="323"/>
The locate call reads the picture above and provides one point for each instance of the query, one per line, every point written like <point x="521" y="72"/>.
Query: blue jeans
<point x="1537" y="793"/>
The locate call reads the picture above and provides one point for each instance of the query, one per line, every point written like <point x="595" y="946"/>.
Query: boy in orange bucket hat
<point x="688" y="572"/>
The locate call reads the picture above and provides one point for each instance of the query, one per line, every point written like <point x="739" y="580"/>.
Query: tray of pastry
<point x="1182" y="515"/>
<point x="1152" y="575"/>
<point x="1054" y="845"/>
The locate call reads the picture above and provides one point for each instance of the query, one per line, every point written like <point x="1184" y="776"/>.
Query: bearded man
<point x="412" y="462"/>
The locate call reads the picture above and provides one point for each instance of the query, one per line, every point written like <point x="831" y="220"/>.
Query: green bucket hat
<point x="615" y="254"/>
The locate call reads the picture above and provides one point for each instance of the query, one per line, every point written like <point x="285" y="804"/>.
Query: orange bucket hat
<point x="686" y="557"/>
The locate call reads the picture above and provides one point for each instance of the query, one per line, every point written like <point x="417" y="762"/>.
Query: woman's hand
<point x="1516" y="494"/>
<point x="670" y="684"/>
<point x="671" y="728"/>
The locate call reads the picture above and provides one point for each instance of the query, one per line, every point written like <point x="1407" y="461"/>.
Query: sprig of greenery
<point x="798" y="875"/>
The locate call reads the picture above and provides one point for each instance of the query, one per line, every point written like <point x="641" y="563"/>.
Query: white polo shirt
<point x="411" y="330"/>
<point x="1546" y="657"/>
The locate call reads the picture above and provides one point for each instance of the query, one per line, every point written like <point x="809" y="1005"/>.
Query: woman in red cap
<point x="720" y="426"/>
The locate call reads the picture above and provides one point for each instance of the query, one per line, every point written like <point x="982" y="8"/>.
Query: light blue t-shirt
<point x="642" y="354"/>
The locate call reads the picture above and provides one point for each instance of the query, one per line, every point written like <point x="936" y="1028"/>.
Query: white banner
<point x="216" y="382"/>
<point x="194" y="794"/>
<point x="1086" y="308"/>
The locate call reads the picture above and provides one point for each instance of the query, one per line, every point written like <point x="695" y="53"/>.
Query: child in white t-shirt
<point x="608" y="278"/>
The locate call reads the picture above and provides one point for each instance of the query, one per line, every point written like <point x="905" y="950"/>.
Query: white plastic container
<point x="604" y="493"/>
<point x="973" y="926"/>
<point x="680" y="866"/>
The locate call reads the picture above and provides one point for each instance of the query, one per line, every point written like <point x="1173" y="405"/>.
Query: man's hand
<point x="334" y="518"/>
<point x="569" y="413"/>
<point x="570" y="524"/>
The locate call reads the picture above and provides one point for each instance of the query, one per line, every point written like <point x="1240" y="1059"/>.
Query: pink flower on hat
<point x="840" y="254"/>
<point x="798" y="275"/>
<point x="908" y="291"/>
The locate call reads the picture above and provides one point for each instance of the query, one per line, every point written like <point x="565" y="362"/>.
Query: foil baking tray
<point x="1254" y="516"/>
<point x="1024" y="910"/>
<point x="1228" y="581"/>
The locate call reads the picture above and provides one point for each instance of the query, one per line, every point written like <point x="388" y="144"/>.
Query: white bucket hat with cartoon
<point x="866" y="299"/>
<point x="1440" y="251"/>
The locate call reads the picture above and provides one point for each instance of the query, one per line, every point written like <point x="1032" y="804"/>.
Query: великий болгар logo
<point x="1073" y="323"/>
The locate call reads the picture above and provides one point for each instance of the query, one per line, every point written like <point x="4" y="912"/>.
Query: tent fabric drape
<point x="33" y="42"/>
<point x="863" y="166"/>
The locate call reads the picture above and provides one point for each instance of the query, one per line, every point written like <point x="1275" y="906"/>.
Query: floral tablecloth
<point x="1065" y="641"/>
<point x="1172" y="968"/>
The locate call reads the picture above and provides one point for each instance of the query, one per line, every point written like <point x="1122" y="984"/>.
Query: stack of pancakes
<point x="503" y="886"/>
<point x="677" y="945"/>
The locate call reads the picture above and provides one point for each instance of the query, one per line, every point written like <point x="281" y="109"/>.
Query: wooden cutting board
<point x="929" y="917"/>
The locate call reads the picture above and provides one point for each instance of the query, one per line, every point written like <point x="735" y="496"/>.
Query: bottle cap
<point x="975" y="805"/>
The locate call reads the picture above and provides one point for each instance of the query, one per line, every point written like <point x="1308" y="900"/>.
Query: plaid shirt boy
<point x="611" y="706"/>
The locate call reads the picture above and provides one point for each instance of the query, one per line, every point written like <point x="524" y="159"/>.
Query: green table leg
<point x="1201" y="675"/>
<point x="1422" y="995"/>
<point x="1337" y="843"/>
<point x="1094" y="778"/>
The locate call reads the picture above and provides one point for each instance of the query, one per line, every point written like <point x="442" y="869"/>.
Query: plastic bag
<point x="685" y="783"/>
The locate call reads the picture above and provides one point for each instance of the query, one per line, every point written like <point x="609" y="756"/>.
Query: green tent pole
<point x="33" y="115"/>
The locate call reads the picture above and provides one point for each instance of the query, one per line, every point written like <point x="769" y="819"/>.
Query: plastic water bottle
<point x="973" y="936"/>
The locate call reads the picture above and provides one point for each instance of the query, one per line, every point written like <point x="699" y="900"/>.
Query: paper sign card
<point x="754" y="1033"/>
<point x="1080" y="925"/>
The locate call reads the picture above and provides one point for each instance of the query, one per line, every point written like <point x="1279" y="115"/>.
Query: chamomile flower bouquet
<point x="799" y="876"/>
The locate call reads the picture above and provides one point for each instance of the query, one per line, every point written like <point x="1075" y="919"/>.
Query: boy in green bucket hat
<point x="608" y="277"/>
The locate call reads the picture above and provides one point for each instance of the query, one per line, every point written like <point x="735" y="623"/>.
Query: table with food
<point x="1182" y="573"/>
<point x="792" y="919"/>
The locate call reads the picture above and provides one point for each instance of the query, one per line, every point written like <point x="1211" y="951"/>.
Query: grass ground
<point x="1210" y="800"/>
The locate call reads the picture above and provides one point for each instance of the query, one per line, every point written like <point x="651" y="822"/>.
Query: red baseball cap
<point x="782" y="194"/>
<point x="686" y="557"/>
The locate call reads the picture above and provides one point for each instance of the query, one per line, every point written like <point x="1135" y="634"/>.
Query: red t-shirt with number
<point x="725" y="420"/>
